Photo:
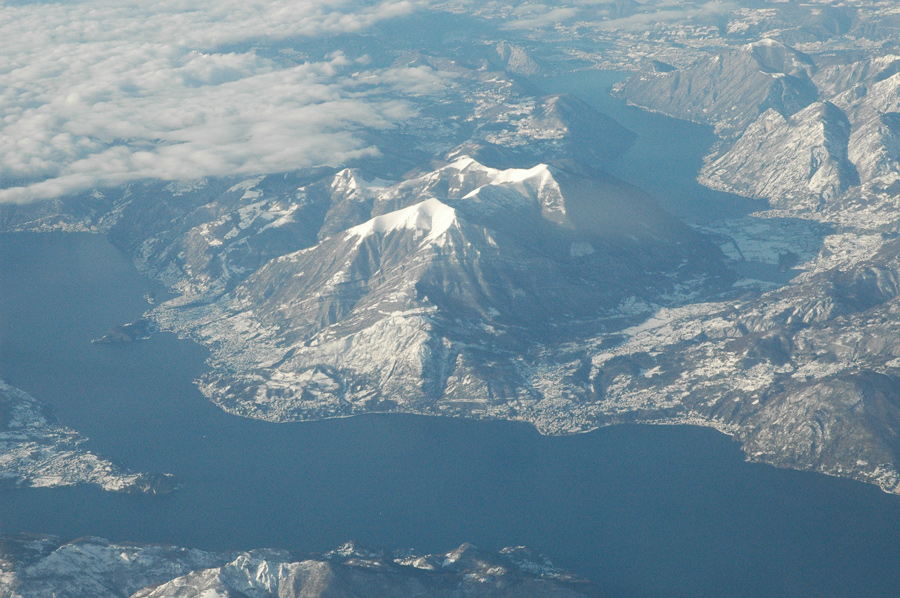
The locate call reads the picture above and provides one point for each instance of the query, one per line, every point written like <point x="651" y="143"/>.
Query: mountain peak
<point x="430" y="216"/>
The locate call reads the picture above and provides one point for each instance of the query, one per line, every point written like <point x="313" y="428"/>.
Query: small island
<point x="127" y="333"/>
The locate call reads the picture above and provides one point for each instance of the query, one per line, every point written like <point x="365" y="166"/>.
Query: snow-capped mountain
<point x="443" y="299"/>
<point x="40" y="566"/>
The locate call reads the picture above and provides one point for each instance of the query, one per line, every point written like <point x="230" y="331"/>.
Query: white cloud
<point x="98" y="93"/>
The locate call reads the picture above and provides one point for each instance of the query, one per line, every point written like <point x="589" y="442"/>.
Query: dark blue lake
<point x="646" y="511"/>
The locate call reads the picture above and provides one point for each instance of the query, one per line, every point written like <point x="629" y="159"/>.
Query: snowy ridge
<point x="798" y="161"/>
<point x="40" y="567"/>
<point x="537" y="184"/>
<point x="431" y="217"/>
<point x="464" y="176"/>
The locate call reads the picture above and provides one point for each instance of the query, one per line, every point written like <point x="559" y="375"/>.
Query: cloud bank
<point x="98" y="93"/>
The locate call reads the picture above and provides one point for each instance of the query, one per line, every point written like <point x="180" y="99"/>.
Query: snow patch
<point x="430" y="216"/>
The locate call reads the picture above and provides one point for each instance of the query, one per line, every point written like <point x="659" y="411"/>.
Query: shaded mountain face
<point x="799" y="161"/>
<point x="38" y="566"/>
<point x="731" y="88"/>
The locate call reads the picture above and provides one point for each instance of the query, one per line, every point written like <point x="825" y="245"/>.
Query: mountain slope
<point x="806" y="376"/>
<point x="833" y="161"/>
<point x="731" y="88"/>
<point x="798" y="162"/>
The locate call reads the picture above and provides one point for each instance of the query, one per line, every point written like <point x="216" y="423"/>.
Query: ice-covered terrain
<point x="40" y="566"/>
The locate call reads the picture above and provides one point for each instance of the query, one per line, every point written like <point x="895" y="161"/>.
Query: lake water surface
<point x="646" y="511"/>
